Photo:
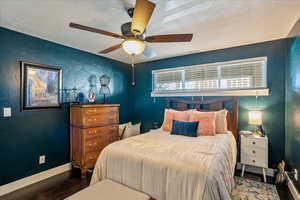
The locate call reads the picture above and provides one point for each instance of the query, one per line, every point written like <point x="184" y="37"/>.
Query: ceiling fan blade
<point x="96" y="30"/>
<point x="142" y="13"/>
<point x="148" y="52"/>
<point x="110" y="49"/>
<point x="170" y="38"/>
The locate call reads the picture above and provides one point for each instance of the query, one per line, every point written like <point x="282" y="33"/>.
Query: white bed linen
<point x="171" y="167"/>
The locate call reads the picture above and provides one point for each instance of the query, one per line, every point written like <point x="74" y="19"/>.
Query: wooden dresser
<point x="92" y="128"/>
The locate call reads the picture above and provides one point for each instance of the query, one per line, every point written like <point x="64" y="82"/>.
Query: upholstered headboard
<point x="228" y="103"/>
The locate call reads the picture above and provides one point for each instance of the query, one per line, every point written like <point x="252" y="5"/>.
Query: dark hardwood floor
<point x="68" y="183"/>
<point x="54" y="188"/>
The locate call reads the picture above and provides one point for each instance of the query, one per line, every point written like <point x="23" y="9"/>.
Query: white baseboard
<point x="256" y="170"/>
<point x="293" y="190"/>
<point x="10" y="187"/>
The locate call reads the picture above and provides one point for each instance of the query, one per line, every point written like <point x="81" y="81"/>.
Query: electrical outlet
<point x="42" y="159"/>
<point x="296" y="174"/>
<point x="7" y="112"/>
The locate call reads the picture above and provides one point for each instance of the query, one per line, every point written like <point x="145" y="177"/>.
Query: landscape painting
<point x="40" y="87"/>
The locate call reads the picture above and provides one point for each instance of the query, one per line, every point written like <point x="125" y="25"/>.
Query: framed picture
<point x="40" y="86"/>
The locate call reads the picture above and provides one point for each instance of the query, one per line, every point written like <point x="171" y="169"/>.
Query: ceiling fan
<point x="133" y="33"/>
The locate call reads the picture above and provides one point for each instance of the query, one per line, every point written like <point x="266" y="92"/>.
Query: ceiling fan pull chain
<point x="132" y="65"/>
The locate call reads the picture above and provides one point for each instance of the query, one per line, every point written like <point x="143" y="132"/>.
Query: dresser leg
<point x="264" y="173"/>
<point x="243" y="170"/>
<point x="83" y="172"/>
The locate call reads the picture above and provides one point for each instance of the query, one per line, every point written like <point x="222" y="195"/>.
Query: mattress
<point x="171" y="167"/>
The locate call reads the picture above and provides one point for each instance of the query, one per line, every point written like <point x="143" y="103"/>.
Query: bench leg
<point x="243" y="170"/>
<point x="264" y="173"/>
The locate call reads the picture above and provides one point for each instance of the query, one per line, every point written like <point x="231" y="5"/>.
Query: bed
<point x="174" y="167"/>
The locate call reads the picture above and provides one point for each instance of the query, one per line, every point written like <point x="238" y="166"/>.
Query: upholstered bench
<point x="108" y="190"/>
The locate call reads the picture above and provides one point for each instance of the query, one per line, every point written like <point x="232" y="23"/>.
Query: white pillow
<point x="122" y="126"/>
<point x="132" y="130"/>
<point x="221" y="121"/>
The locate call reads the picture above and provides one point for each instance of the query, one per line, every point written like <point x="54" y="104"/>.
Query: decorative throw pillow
<point x="171" y="115"/>
<point x="221" y="121"/>
<point x="207" y="122"/>
<point x="122" y="126"/>
<point x="184" y="128"/>
<point x="132" y="130"/>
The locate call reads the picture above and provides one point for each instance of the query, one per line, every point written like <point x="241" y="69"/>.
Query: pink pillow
<point x="171" y="115"/>
<point x="207" y="122"/>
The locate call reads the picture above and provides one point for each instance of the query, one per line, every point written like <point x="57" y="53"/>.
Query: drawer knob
<point x="254" y="151"/>
<point x="253" y="161"/>
<point x="91" y="132"/>
<point x="253" y="142"/>
<point x="92" y="158"/>
<point x="91" y="144"/>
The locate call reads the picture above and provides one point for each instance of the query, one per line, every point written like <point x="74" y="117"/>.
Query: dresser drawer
<point x="92" y="145"/>
<point x="91" y="133"/>
<point x="91" y="158"/>
<point x="98" y="143"/>
<point x="101" y="120"/>
<point x="97" y="111"/>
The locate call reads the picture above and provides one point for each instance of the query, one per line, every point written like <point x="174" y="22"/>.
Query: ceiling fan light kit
<point x="133" y="34"/>
<point x="133" y="46"/>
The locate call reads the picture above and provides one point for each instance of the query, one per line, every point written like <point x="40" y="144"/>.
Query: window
<point x="240" y="77"/>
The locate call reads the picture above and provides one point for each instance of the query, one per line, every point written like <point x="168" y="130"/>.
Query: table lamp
<point x="255" y="118"/>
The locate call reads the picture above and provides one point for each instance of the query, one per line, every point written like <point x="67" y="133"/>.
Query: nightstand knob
<point x="253" y="142"/>
<point x="254" y="151"/>
<point x="253" y="161"/>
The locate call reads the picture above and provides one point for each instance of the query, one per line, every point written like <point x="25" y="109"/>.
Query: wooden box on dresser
<point x="92" y="128"/>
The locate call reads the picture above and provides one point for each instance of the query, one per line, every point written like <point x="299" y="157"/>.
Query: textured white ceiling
<point x="216" y="24"/>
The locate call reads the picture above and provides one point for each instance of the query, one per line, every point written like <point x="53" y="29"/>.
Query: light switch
<point x="7" y="112"/>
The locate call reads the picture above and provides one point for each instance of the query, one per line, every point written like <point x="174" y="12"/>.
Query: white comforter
<point x="171" y="167"/>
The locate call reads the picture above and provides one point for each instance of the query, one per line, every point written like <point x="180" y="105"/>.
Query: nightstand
<point x="254" y="151"/>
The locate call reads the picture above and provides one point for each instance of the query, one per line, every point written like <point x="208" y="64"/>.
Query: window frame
<point x="254" y="91"/>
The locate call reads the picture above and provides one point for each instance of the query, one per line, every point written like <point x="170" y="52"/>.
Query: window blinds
<point x="169" y="80"/>
<point x="241" y="74"/>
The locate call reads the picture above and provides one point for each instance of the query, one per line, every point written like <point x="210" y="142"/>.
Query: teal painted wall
<point x="148" y="110"/>
<point x="26" y="135"/>
<point x="292" y="109"/>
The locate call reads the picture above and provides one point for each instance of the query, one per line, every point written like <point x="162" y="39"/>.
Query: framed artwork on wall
<point x="40" y="87"/>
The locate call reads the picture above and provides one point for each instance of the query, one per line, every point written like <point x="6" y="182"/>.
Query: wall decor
<point x="40" y="86"/>
<point x="93" y="88"/>
<point x="69" y="95"/>
<point x="104" y="81"/>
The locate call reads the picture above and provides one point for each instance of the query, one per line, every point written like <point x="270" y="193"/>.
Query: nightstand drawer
<point x="255" y="152"/>
<point x="254" y="156"/>
<point x="255" y="143"/>
<point x="258" y="161"/>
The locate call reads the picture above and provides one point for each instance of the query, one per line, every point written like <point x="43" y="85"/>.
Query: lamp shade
<point x="133" y="46"/>
<point x="255" y="117"/>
